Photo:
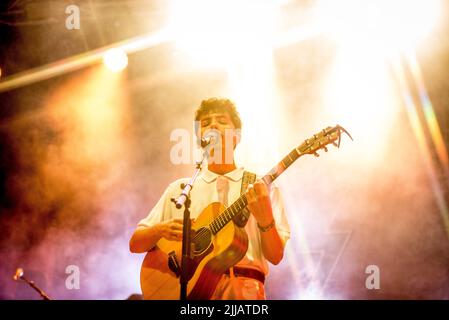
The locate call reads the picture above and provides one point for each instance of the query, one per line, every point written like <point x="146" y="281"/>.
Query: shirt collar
<point x="210" y="176"/>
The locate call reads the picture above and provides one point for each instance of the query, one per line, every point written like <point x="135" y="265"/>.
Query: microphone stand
<point x="19" y="275"/>
<point x="184" y="200"/>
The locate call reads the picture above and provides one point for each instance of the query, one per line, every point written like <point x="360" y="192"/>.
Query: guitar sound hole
<point x="202" y="240"/>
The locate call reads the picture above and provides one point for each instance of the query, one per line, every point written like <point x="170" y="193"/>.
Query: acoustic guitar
<point x="217" y="243"/>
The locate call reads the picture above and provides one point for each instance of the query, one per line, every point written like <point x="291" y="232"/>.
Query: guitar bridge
<point x="173" y="264"/>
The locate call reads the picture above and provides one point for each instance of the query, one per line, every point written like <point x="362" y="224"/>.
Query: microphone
<point x="18" y="275"/>
<point x="206" y="141"/>
<point x="209" y="138"/>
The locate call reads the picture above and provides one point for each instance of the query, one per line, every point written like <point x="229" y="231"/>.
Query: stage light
<point x="237" y="37"/>
<point x="115" y="59"/>
<point x="360" y="92"/>
<point x="216" y="33"/>
<point x="360" y="95"/>
<point x="0" y="72"/>
<point x="387" y="24"/>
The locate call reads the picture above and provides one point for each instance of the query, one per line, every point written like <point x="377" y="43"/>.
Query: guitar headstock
<point x="330" y="135"/>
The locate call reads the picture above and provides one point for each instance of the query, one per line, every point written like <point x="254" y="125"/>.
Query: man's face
<point x="220" y="122"/>
<point x="216" y="120"/>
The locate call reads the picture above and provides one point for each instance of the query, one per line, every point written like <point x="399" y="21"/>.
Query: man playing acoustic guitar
<point x="267" y="227"/>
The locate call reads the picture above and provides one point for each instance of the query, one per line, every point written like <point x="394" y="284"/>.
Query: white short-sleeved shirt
<point x="205" y="192"/>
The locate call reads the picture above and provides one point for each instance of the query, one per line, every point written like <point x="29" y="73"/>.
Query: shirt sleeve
<point x="279" y="214"/>
<point x="161" y="211"/>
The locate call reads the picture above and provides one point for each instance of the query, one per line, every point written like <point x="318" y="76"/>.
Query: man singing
<point x="221" y="181"/>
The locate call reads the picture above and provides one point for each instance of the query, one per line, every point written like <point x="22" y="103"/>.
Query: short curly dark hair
<point x="219" y="105"/>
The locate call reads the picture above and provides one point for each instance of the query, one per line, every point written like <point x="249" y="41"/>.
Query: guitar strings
<point x="202" y="234"/>
<point x="222" y="216"/>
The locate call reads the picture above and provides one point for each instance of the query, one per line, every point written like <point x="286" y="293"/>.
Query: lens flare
<point x="115" y="60"/>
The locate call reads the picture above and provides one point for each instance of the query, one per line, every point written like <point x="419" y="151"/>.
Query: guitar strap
<point x="242" y="218"/>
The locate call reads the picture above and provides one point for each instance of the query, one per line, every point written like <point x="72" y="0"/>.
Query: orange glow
<point x="91" y="110"/>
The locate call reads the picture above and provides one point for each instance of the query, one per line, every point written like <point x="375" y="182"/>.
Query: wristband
<point x="267" y="228"/>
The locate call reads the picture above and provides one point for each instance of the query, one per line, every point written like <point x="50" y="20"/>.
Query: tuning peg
<point x="335" y="144"/>
<point x="325" y="149"/>
<point x="316" y="154"/>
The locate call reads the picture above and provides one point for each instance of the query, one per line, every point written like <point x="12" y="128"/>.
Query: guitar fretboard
<point x="223" y="218"/>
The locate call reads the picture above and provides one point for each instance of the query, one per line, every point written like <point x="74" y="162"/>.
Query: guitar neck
<point x="219" y="222"/>
<point x="310" y="146"/>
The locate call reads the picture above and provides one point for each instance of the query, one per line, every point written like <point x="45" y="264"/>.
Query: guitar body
<point x="212" y="255"/>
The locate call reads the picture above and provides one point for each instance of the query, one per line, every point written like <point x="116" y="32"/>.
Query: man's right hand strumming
<point x="145" y="238"/>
